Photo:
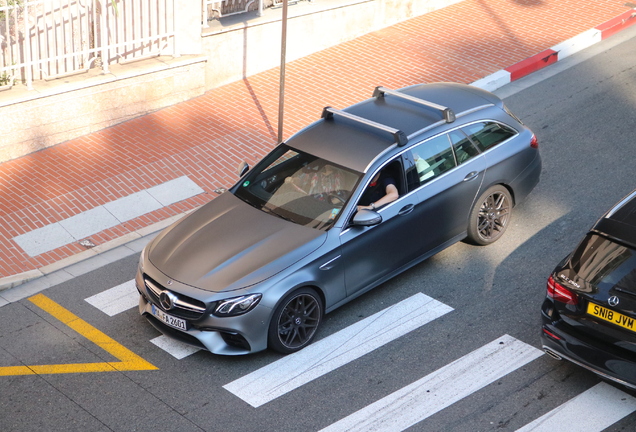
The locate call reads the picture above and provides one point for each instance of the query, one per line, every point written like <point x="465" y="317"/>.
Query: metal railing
<point x="49" y="39"/>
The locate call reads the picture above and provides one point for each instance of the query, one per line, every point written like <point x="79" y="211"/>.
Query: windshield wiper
<point x="281" y="216"/>
<point x="271" y="211"/>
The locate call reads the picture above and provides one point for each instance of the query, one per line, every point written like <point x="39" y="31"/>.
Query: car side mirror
<point x="242" y="168"/>
<point x="366" y="217"/>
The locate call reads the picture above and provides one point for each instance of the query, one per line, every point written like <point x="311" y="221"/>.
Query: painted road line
<point x="440" y="389"/>
<point x="174" y="347"/>
<point x="320" y="358"/>
<point x="97" y="219"/>
<point x="129" y="361"/>
<point x="117" y="299"/>
<point x="601" y="406"/>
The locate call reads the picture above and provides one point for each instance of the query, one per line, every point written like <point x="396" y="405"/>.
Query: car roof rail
<point x="449" y="114"/>
<point x="400" y="137"/>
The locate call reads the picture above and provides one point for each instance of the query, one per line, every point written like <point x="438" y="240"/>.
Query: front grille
<point x="184" y="307"/>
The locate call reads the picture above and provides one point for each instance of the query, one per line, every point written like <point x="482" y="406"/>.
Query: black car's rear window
<point x="626" y="211"/>
<point x="603" y="263"/>
<point x="618" y="230"/>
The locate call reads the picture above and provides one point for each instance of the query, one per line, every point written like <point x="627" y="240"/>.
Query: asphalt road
<point x="582" y="111"/>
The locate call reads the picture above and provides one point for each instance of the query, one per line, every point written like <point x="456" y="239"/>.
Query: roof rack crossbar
<point x="400" y="137"/>
<point x="449" y="115"/>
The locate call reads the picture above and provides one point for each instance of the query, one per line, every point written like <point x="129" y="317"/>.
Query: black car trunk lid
<point x="602" y="274"/>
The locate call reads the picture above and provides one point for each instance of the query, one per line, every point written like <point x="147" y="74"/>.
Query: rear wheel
<point x="295" y="321"/>
<point x="490" y="216"/>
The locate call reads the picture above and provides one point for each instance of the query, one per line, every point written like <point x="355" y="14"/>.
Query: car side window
<point x="433" y="158"/>
<point x="488" y="134"/>
<point x="463" y="148"/>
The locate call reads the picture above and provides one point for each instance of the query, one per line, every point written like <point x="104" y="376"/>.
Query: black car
<point x="589" y="314"/>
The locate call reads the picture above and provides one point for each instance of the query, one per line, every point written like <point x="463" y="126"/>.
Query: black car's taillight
<point x="560" y="293"/>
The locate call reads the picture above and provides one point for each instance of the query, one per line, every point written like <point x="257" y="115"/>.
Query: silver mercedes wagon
<point x="343" y="205"/>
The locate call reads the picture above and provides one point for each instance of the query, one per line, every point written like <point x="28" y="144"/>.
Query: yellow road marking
<point x="129" y="360"/>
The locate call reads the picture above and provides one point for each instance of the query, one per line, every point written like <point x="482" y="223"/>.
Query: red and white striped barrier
<point x="557" y="52"/>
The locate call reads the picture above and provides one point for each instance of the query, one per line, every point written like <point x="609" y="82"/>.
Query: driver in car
<point x="381" y="191"/>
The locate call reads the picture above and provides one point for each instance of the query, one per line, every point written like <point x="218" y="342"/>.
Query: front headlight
<point x="236" y="305"/>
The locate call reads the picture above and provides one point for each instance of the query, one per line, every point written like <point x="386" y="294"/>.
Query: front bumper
<point x="604" y="360"/>
<point x="239" y="335"/>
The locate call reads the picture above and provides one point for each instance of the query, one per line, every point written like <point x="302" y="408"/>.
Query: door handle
<point x="471" y="175"/>
<point x="406" y="209"/>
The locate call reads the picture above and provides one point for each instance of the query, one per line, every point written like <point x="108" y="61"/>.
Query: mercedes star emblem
<point x="613" y="301"/>
<point x="167" y="300"/>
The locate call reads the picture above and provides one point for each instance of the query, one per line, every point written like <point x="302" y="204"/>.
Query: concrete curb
<point x="491" y="83"/>
<point x="558" y="52"/>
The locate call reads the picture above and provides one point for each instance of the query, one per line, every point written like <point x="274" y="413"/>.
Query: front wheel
<point x="295" y="321"/>
<point x="490" y="216"/>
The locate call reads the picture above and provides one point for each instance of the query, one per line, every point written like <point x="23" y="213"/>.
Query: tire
<point x="490" y="216"/>
<point x="295" y="321"/>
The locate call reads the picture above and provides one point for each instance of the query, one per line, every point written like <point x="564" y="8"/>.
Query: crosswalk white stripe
<point x="320" y="358"/>
<point x="592" y="411"/>
<point x="174" y="347"/>
<point x="440" y="389"/>
<point x="117" y="299"/>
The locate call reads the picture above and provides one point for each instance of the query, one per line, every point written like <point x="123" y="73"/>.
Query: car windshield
<point x="298" y="187"/>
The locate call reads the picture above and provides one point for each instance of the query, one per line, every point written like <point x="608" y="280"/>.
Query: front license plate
<point x="172" y="321"/>
<point x="611" y="316"/>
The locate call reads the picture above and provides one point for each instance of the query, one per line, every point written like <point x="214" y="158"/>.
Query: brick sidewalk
<point x="207" y="137"/>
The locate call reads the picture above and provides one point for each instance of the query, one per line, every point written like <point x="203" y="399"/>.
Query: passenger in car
<point x="381" y="191"/>
<point x="424" y="169"/>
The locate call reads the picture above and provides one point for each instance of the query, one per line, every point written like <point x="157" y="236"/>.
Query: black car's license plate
<point x="611" y="316"/>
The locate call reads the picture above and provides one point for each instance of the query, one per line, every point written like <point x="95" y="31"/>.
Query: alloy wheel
<point x="493" y="216"/>
<point x="299" y="321"/>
